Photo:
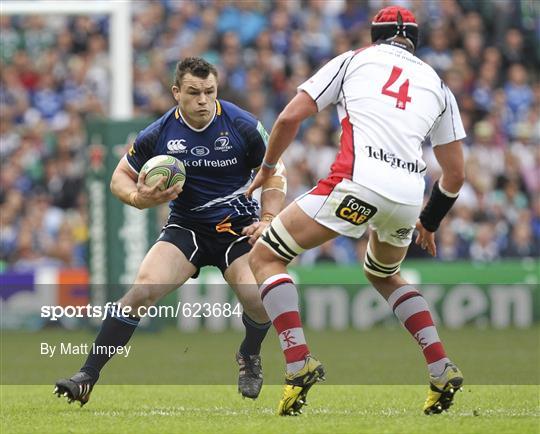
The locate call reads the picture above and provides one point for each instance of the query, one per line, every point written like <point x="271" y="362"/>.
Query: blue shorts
<point x="208" y="244"/>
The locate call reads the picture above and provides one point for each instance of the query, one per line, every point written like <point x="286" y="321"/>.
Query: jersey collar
<point x="397" y="44"/>
<point x="217" y="112"/>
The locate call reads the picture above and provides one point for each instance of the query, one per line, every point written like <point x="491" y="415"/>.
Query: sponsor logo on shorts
<point x="402" y="233"/>
<point x="355" y="211"/>
<point x="200" y="151"/>
<point x="394" y="161"/>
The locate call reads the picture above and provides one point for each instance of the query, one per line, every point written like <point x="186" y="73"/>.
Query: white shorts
<point x="350" y="207"/>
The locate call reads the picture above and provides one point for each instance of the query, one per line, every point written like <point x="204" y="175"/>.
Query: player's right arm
<point x="130" y="188"/>
<point x="127" y="182"/>
<point x="284" y="130"/>
<point x="321" y="90"/>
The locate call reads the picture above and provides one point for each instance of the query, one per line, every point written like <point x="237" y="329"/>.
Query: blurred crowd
<point x="56" y="73"/>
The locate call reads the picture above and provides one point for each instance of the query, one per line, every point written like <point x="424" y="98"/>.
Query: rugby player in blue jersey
<point x="211" y="221"/>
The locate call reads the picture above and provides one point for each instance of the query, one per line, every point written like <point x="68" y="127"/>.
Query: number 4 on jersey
<point x="402" y="95"/>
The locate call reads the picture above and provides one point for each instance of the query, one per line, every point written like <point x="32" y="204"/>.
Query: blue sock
<point x="255" y="334"/>
<point x="116" y="331"/>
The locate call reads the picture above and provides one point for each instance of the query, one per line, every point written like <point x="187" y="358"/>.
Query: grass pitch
<point x="212" y="409"/>
<point x="381" y="356"/>
<point x="156" y="391"/>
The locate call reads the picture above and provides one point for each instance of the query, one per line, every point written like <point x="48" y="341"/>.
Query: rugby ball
<point x="164" y="165"/>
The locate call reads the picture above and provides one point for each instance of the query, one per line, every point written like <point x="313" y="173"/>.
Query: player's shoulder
<point x="421" y="67"/>
<point x="362" y="52"/>
<point x="345" y="57"/>
<point x="432" y="80"/>
<point x="234" y="112"/>
<point x="245" y="123"/>
<point x="372" y="53"/>
<point x="428" y="69"/>
<point x="154" y="129"/>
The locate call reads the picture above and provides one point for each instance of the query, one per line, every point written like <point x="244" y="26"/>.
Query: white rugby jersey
<point x="388" y="103"/>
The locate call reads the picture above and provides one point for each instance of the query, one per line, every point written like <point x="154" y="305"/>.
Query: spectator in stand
<point x="513" y="48"/>
<point x="484" y="87"/>
<point x="484" y="150"/>
<point x="437" y="53"/>
<point x="522" y="244"/>
<point x="449" y="246"/>
<point x="484" y="248"/>
<point x="510" y="198"/>
<point x="519" y="95"/>
<point x="535" y="219"/>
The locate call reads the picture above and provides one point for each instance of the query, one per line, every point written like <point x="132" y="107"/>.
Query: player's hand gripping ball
<point x="164" y="165"/>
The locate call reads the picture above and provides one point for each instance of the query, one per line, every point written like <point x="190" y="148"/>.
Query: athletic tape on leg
<point x="279" y="241"/>
<point x="377" y="268"/>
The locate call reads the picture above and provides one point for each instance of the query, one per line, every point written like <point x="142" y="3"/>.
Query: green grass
<point x="379" y="356"/>
<point x="178" y="382"/>
<point x="213" y="409"/>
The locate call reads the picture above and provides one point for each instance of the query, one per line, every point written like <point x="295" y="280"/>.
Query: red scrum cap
<point x="394" y="21"/>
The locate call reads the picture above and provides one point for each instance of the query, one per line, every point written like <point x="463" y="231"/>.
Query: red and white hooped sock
<point x="413" y="311"/>
<point x="280" y="299"/>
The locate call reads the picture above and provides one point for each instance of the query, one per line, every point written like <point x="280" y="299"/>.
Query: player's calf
<point x="268" y="259"/>
<point x="413" y="312"/>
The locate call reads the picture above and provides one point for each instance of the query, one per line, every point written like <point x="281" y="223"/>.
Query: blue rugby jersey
<point x="219" y="160"/>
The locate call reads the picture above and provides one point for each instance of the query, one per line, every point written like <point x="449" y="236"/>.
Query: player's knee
<point x="381" y="279"/>
<point x="278" y="244"/>
<point x="256" y="257"/>
<point x="254" y="308"/>
<point x="378" y="271"/>
<point x="142" y="293"/>
<point x="138" y="296"/>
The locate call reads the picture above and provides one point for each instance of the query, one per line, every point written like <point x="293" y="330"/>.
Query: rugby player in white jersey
<point x="389" y="102"/>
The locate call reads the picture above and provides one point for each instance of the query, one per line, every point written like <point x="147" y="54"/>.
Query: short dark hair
<point x="195" y="66"/>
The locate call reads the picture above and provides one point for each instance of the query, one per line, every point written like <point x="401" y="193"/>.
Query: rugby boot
<point x="250" y="377"/>
<point x="442" y="389"/>
<point x="76" y="388"/>
<point x="297" y="386"/>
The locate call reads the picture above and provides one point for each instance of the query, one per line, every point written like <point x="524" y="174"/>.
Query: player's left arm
<point x="272" y="200"/>
<point x="446" y="141"/>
